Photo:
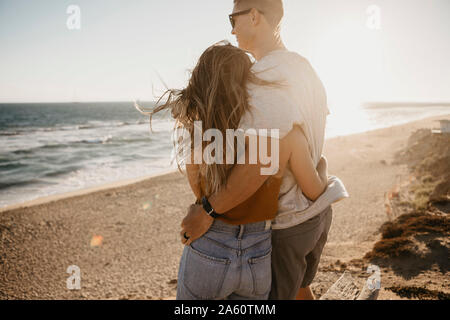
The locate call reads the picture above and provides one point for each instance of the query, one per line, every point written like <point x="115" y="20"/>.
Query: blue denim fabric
<point x="227" y="262"/>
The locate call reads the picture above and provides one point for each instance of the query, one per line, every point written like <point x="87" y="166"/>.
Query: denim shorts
<point x="229" y="262"/>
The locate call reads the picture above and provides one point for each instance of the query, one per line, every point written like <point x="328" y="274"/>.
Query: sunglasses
<point x="231" y="16"/>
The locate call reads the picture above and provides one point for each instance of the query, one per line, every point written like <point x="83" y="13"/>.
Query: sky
<point x="126" y="50"/>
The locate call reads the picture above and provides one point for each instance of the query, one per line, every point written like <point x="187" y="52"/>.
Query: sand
<point x="138" y="221"/>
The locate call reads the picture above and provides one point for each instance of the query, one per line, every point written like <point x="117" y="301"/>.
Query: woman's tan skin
<point x="295" y="153"/>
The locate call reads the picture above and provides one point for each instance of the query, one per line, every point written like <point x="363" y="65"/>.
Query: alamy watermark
<point x="374" y="281"/>
<point x="73" y="282"/>
<point x="258" y="141"/>
<point x="74" y="19"/>
<point x="373" y="17"/>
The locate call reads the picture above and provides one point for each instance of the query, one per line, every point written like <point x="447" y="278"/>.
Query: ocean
<point x="52" y="148"/>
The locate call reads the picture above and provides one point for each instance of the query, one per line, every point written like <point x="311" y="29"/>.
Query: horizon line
<point x="54" y="102"/>
<point x="365" y="103"/>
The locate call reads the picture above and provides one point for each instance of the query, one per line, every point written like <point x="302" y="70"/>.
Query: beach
<point x="124" y="237"/>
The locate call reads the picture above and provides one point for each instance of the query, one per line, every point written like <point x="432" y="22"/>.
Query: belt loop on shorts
<point x="268" y="225"/>
<point x="241" y="231"/>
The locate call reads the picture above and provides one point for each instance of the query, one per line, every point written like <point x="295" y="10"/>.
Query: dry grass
<point x="420" y="293"/>
<point x="416" y="241"/>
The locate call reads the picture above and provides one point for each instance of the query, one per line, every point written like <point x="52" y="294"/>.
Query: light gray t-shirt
<point x="301" y="100"/>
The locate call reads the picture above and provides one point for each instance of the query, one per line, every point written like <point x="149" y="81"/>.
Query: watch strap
<point x="208" y="208"/>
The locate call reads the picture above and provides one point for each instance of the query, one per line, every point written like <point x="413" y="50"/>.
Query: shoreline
<point x="84" y="191"/>
<point x="126" y="182"/>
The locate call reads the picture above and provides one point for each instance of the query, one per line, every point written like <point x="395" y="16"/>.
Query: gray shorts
<point x="296" y="254"/>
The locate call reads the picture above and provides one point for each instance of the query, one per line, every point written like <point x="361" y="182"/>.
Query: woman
<point x="232" y="260"/>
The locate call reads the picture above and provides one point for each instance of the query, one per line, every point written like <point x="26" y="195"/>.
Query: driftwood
<point x="346" y="289"/>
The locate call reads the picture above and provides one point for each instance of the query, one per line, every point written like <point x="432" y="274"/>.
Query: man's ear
<point x="255" y="16"/>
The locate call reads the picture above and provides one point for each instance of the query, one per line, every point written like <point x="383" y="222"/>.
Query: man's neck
<point x="267" y="45"/>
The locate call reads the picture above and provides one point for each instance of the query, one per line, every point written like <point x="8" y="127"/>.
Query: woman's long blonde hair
<point x="217" y="96"/>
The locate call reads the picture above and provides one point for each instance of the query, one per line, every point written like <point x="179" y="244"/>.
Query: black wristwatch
<point x="209" y="209"/>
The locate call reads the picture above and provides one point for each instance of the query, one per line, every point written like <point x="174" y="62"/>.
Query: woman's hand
<point x="195" y="224"/>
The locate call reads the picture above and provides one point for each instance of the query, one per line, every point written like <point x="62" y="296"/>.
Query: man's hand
<point x="322" y="169"/>
<point x="195" y="224"/>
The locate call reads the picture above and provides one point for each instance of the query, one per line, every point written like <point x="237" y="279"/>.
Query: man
<point x="301" y="226"/>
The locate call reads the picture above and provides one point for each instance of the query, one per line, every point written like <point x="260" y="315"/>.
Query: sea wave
<point x="159" y="124"/>
<point x="30" y="178"/>
<point x="109" y="139"/>
<point x="96" y="140"/>
<point x="10" y="184"/>
<point x="62" y="171"/>
<point x="9" y="133"/>
<point x="11" y="165"/>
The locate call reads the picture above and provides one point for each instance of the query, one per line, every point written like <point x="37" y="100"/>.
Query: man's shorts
<point x="296" y="254"/>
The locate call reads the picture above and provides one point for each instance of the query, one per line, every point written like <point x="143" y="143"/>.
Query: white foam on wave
<point x="97" y="174"/>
